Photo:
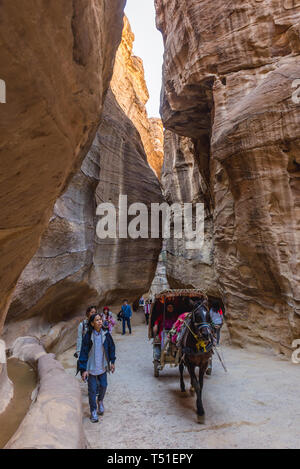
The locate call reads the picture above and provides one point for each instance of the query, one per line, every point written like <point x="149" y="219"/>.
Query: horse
<point x="197" y="350"/>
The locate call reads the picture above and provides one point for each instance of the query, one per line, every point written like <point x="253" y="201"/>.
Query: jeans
<point x="97" y="385"/>
<point x="126" y="320"/>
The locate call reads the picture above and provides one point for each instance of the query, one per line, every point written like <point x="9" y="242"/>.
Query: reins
<point x="199" y="342"/>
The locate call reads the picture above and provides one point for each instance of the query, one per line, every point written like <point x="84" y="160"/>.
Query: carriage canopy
<point x="179" y="298"/>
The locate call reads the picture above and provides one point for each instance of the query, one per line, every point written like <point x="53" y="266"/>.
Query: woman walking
<point x="97" y="357"/>
<point x="108" y="320"/>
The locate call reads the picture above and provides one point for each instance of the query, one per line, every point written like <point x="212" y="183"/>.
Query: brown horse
<point x="197" y="350"/>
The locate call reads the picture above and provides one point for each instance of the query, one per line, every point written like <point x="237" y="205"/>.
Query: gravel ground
<point x="255" y="405"/>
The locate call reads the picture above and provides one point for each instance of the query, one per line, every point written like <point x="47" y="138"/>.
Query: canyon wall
<point x="182" y="182"/>
<point x="228" y="77"/>
<point x="57" y="60"/>
<point x="129" y="81"/>
<point x="73" y="267"/>
<point x="160" y="281"/>
<point x="124" y="268"/>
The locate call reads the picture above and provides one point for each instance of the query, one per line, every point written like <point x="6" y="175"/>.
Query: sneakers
<point x="94" y="417"/>
<point x="100" y="410"/>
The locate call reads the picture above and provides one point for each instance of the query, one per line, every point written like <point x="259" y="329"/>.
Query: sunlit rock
<point x="56" y="61"/>
<point x="229" y="84"/>
<point x="129" y="86"/>
<point x="73" y="267"/>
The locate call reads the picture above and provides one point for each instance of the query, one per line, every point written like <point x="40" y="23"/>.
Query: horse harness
<point x="201" y="347"/>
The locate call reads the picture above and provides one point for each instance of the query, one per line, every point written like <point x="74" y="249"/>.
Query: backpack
<point x="120" y="315"/>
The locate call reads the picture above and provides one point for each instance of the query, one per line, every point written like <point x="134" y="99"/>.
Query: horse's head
<point x="202" y="322"/>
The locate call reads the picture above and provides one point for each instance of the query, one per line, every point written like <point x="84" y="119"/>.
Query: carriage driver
<point x="160" y="325"/>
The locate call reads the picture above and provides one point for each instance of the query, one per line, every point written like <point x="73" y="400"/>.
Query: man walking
<point x="97" y="357"/>
<point x="126" y="315"/>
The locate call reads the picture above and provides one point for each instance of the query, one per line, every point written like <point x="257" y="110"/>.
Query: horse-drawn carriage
<point x="164" y="350"/>
<point x="196" y="339"/>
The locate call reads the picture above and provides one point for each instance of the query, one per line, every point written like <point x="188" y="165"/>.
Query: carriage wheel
<point x="156" y="368"/>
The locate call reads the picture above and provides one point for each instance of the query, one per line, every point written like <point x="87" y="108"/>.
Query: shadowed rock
<point x="228" y="78"/>
<point x="57" y="60"/>
<point x="54" y="420"/>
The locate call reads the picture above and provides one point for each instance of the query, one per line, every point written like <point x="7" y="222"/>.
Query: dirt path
<point x="255" y="405"/>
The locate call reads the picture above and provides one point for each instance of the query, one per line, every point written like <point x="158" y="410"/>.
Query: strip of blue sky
<point x="149" y="46"/>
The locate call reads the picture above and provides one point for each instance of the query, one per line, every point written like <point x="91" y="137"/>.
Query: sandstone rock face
<point x="27" y="349"/>
<point x="229" y="73"/>
<point x="56" y="337"/>
<point x="55" y="284"/>
<point x="57" y="60"/>
<point x="129" y="86"/>
<point x="73" y="267"/>
<point x="160" y="281"/>
<point x="123" y="268"/>
<point x="182" y="183"/>
<point x="157" y="137"/>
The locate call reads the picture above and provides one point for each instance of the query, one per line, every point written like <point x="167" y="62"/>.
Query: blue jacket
<point x="85" y="361"/>
<point x="127" y="313"/>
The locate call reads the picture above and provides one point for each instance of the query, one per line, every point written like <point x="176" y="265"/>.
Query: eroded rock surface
<point x="182" y="182"/>
<point x="229" y="72"/>
<point x="57" y="60"/>
<point x="55" y="284"/>
<point x="129" y="86"/>
<point x="160" y="281"/>
<point x="124" y="267"/>
<point x="73" y="267"/>
<point x="54" y="420"/>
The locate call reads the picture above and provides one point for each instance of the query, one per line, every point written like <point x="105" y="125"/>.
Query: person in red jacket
<point x="159" y="326"/>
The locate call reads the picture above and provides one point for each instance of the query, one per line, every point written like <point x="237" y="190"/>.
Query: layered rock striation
<point x="73" y="267"/>
<point x="57" y="60"/>
<point x="229" y="79"/>
<point x="129" y="85"/>
<point x="183" y="183"/>
<point x="124" y="267"/>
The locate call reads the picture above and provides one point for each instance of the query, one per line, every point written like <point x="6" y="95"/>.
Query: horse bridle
<point x="199" y="326"/>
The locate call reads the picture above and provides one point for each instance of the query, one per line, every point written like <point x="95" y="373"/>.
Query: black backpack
<point x="120" y="315"/>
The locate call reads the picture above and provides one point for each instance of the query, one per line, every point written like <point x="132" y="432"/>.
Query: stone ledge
<point x="6" y="386"/>
<point x="54" y="420"/>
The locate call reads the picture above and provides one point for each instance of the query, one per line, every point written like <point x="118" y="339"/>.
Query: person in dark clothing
<point x="126" y="315"/>
<point x="216" y="314"/>
<point x="97" y="357"/>
<point x="83" y="328"/>
<point x="147" y="308"/>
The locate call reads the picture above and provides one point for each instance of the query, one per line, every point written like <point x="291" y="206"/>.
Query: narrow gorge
<point x="75" y="133"/>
